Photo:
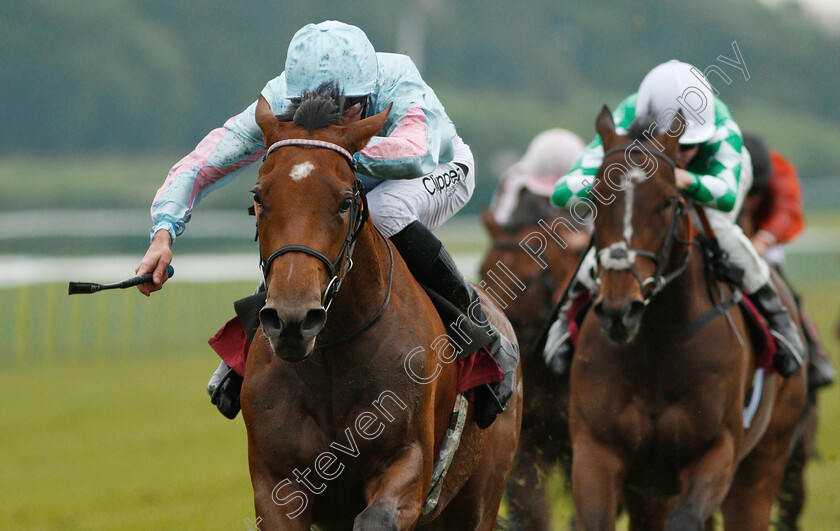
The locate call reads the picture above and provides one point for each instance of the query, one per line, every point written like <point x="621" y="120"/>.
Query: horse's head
<point x="542" y="264"/>
<point x="636" y="222"/>
<point x="310" y="211"/>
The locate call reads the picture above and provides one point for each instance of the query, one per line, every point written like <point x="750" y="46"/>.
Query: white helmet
<point x="328" y="51"/>
<point x="676" y="85"/>
<point x="551" y="153"/>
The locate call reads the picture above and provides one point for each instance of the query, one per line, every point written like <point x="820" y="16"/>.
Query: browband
<point x="314" y="143"/>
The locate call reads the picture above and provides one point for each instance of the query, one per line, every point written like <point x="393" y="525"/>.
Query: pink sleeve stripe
<point x="210" y="174"/>
<point x="198" y="156"/>
<point x="407" y="140"/>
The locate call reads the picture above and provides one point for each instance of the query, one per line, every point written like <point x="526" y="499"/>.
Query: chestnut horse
<point x="659" y="379"/>
<point x="346" y="416"/>
<point x="544" y="267"/>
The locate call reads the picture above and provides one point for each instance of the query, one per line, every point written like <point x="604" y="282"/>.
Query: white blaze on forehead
<point x="301" y="171"/>
<point x="635" y="175"/>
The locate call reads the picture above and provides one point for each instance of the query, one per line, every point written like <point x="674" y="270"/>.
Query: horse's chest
<point x="668" y="428"/>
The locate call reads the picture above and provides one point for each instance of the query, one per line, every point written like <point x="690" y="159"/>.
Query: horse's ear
<point x="605" y="127"/>
<point x="269" y="124"/>
<point x="357" y="135"/>
<point x="491" y="224"/>
<point x="670" y="139"/>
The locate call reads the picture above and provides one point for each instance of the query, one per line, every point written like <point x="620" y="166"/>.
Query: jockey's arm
<point x="780" y="215"/>
<point x="578" y="181"/>
<point x="716" y="170"/>
<point x="214" y="162"/>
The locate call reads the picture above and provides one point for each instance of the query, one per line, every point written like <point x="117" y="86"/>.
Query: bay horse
<point x="544" y="267"/>
<point x="345" y="416"/>
<point x="659" y="379"/>
<point x="792" y="492"/>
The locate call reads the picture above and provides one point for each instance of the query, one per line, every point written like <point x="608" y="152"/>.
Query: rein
<point x="339" y="268"/>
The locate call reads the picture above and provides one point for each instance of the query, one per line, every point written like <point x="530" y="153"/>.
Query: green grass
<point x="109" y="426"/>
<point x="125" y="443"/>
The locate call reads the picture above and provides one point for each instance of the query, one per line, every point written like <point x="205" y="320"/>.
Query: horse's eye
<point x="345" y="205"/>
<point x="669" y="203"/>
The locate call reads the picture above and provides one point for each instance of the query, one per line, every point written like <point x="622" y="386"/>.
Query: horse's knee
<point x="376" y="517"/>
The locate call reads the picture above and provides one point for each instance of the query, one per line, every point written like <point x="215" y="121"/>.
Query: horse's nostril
<point x="271" y="322"/>
<point x="314" y="322"/>
<point x="598" y="308"/>
<point x="634" y="314"/>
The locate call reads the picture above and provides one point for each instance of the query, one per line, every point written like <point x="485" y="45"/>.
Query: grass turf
<point x="109" y="426"/>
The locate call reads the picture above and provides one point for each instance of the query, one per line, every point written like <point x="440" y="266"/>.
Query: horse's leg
<point x="704" y="486"/>
<point x="791" y="495"/>
<point x="803" y="452"/>
<point x="751" y="497"/>
<point x="597" y="474"/>
<point x="394" y="496"/>
<point x="476" y="505"/>
<point x="754" y="489"/>
<point x="278" y="506"/>
<point x="646" y="514"/>
<point x="526" y="489"/>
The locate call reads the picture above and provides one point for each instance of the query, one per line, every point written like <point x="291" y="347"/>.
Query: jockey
<point x="713" y="170"/>
<point x="418" y="174"/>
<point x="549" y="155"/>
<point x="774" y="208"/>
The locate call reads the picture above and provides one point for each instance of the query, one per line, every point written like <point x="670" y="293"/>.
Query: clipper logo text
<point x="445" y="182"/>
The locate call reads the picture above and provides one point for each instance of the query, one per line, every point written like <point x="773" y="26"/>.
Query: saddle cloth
<point x="232" y="343"/>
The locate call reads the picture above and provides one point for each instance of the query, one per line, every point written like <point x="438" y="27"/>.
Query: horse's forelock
<point x="316" y="108"/>
<point x="640" y="129"/>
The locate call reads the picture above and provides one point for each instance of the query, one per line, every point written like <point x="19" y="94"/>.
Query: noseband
<point x="339" y="268"/>
<point x="620" y="257"/>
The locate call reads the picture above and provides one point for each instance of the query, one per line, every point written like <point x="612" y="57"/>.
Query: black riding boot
<point x="224" y="387"/>
<point x="225" y="384"/>
<point x="456" y="299"/>
<point x="558" y="349"/>
<point x="821" y="372"/>
<point x="790" y="353"/>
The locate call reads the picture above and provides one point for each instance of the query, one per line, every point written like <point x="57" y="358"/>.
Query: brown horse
<point x="659" y="379"/>
<point x="545" y="267"/>
<point x="346" y="416"/>
<point x="792" y="493"/>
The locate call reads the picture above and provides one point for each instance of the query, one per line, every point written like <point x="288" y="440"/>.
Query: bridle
<point x="341" y="266"/>
<point x="338" y="268"/>
<point x="620" y="257"/>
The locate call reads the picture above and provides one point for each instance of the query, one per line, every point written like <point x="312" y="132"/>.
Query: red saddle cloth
<point x="760" y="333"/>
<point x="231" y="343"/>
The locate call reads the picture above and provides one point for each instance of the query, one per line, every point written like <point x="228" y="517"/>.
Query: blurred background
<point x="108" y="426"/>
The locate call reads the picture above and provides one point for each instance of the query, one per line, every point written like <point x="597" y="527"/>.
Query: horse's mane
<point x="316" y="108"/>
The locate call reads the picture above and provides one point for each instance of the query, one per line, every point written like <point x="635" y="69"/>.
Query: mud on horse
<point x="659" y="379"/>
<point x="339" y="434"/>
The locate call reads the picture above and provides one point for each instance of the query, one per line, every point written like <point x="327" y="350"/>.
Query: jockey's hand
<point x="763" y="240"/>
<point x="156" y="260"/>
<point x="684" y="179"/>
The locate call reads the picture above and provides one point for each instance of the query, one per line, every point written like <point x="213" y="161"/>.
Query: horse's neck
<point x="685" y="297"/>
